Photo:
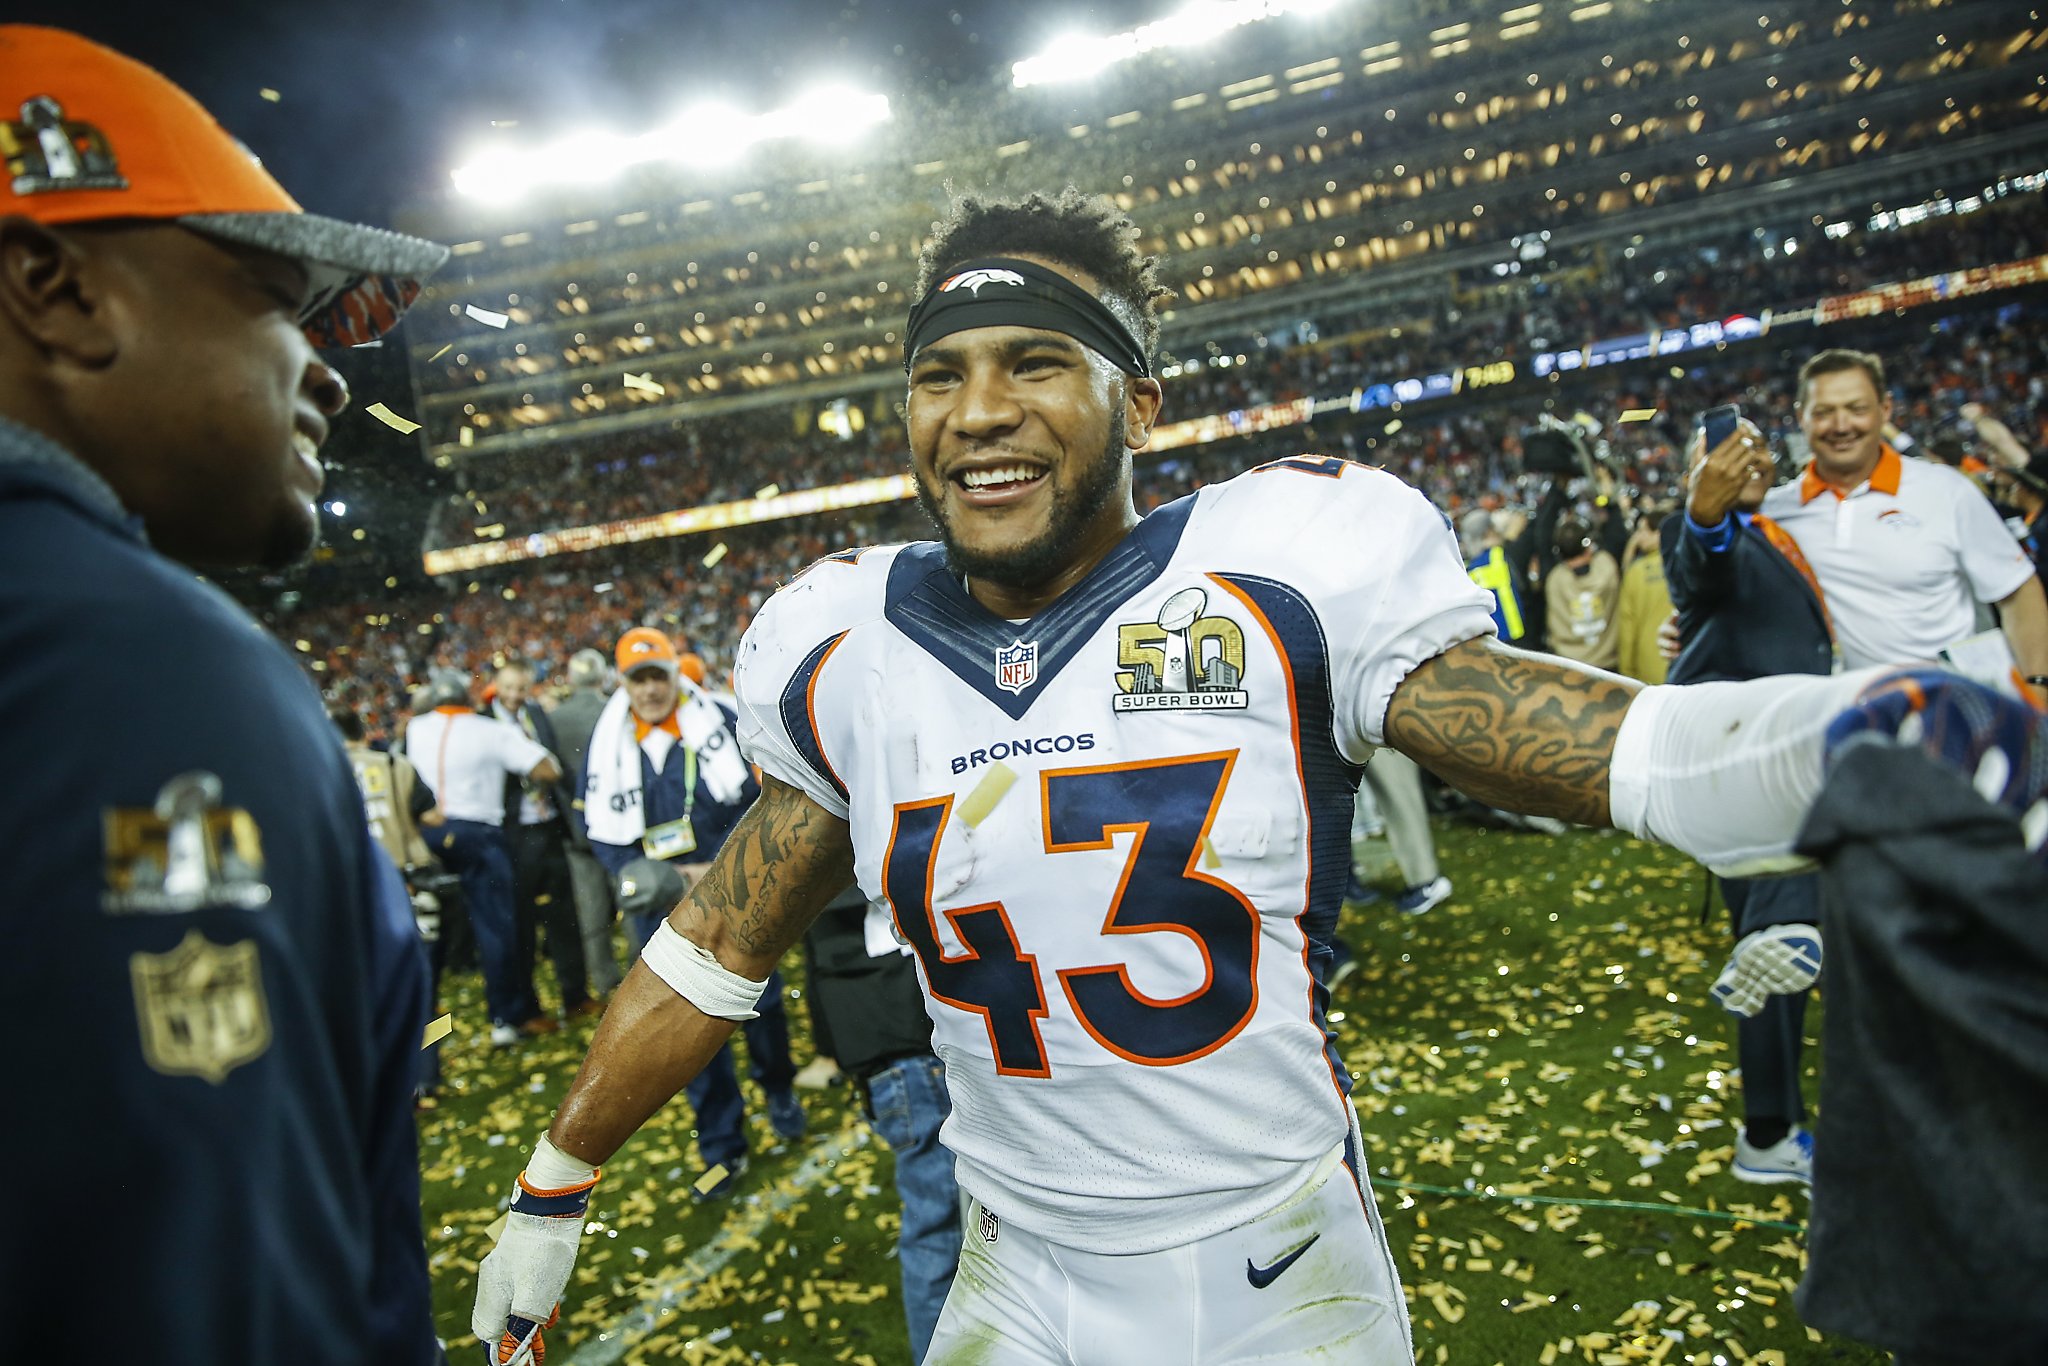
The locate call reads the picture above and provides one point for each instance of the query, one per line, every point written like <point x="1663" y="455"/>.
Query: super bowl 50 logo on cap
<point x="1184" y="661"/>
<point x="46" y="151"/>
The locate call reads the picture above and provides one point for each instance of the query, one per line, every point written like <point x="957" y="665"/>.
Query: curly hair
<point x="1087" y="232"/>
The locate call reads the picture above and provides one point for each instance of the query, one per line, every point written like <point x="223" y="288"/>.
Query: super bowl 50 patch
<point x="46" y="151"/>
<point x="201" y="1007"/>
<point x="1185" y="661"/>
<point x="186" y="852"/>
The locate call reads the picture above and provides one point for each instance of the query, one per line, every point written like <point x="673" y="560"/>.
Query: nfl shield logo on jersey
<point x="1017" y="666"/>
<point x="990" y="1226"/>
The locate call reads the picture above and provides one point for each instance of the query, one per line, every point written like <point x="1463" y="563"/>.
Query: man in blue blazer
<point x="1749" y="606"/>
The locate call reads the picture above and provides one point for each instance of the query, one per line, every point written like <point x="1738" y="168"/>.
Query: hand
<point x="1726" y="473"/>
<point x="1668" y="643"/>
<point x="1998" y="743"/>
<point x="519" y="1285"/>
<point x="434" y="816"/>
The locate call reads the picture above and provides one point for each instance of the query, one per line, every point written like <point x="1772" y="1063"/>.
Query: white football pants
<point x="1310" y="1282"/>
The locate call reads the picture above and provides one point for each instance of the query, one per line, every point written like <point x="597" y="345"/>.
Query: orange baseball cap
<point x="691" y="666"/>
<point x="642" y="647"/>
<point x="90" y="135"/>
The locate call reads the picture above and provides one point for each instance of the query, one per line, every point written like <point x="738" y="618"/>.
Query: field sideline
<point x="1546" y="1034"/>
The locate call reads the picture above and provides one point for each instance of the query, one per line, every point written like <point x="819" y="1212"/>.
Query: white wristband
<point x="551" y="1169"/>
<point x="1727" y="771"/>
<point x="699" y="978"/>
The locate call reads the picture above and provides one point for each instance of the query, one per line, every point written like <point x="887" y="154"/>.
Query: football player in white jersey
<point x="1100" y="769"/>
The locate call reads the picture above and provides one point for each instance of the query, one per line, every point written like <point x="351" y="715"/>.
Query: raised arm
<point x="1521" y="731"/>
<point x="785" y="859"/>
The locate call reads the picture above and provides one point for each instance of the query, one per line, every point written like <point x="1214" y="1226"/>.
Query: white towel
<point x="613" y="807"/>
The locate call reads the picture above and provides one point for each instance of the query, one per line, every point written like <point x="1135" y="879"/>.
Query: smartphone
<point x="1719" y="423"/>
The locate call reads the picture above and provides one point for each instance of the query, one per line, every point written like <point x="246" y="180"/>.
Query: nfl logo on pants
<point x="1017" y="666"/>
<point x="990" y="1226"/>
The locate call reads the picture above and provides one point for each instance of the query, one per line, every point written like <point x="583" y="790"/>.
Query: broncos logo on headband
<point x="973" y="280"/>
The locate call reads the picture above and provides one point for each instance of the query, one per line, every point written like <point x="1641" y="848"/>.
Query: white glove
<point x="520" y="1283"/>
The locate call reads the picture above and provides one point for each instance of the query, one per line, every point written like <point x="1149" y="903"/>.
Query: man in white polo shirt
<point x="1903" y="549"/>
<point x="464" y="758"/>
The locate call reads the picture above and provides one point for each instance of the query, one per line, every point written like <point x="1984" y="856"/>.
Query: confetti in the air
<point x="1210" y="859"/>
<point x="714" y="555"/>
<point x="438" y="1030"/>
<point x="646" y="384"/>
<point x="987" y="793"/>
<point x="767" y="491"/>
<point x="391" y="419"/>
<point x="485" y="316"/>
<point x="267" y="93"/>
<point x="442" y="352"/>
<point x="466" y="437"/>
<point x="1638" y="414"/>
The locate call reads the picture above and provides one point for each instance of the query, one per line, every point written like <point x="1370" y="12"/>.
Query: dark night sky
<point x="382" y="97"/>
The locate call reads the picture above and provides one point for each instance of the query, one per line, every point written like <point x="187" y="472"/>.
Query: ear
<point x="1142" y="400"/>
<point x="50" y="292"/>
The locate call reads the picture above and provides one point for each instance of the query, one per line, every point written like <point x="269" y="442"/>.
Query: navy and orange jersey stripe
<point x="799" y="709"/>
<point x="1329" y="781"/>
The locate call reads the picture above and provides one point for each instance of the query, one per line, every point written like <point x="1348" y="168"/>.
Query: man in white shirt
<point x="464" y="758"/>
<point x="1903" y="549"/>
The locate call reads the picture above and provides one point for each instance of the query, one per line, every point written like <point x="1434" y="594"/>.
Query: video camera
<point x="1565" y="449"/>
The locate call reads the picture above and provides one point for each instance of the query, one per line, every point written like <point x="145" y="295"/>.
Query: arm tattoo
<point x="1524" y="732"/>
<point x="785" y="859"/>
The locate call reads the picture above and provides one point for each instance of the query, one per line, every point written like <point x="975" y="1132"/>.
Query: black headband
<point x="1001" y="291"/>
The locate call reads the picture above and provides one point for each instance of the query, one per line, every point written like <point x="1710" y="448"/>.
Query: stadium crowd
<point x="373" y="651"/>
<point x="1582" y="296"/>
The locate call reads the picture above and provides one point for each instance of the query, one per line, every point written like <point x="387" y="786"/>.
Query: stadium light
<point x="704" y="135"/>
<point x="1077" y="56"/>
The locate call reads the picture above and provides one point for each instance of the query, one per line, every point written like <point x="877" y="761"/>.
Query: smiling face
<point x="204" y="405"/>
<point x="1019" y="442"/>
<point x="652" y="694"/>
<point x="1844" y="417"/>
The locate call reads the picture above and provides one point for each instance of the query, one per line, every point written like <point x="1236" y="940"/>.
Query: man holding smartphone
<point x="1749" y="607"/>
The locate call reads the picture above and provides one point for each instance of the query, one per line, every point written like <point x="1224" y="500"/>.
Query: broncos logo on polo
<point x="973" y="280"/>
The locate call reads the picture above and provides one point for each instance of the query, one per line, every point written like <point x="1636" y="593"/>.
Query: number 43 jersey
<point x="1116" y="834"/>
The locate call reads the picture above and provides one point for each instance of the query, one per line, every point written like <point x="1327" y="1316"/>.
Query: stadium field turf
<point x="1545" y="1095"/>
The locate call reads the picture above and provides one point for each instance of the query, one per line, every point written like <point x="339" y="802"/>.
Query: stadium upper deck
<point x="1285" y="175"/>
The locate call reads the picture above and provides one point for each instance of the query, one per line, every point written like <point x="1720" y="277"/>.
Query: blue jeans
<point x="909" y="1103"/>
<point x="715" y="1092"/>
<point x="477" y="854"/>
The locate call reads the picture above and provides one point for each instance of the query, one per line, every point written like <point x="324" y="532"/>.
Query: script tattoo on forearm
<point x="1523" y="732"/>
<point x="785" y="859"/>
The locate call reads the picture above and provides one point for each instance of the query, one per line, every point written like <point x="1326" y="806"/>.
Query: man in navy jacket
<point x="1749" y="607"/>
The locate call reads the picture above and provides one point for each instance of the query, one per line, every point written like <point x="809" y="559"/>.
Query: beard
<point x="1074" y="507"/>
